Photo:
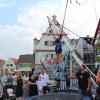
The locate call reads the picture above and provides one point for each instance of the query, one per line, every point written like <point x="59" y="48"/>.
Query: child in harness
<point x="58" y="48"/>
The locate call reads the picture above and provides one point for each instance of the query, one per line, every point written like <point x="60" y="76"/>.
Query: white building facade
<point x="10" y="65"/>
<point x="45" y="47"/>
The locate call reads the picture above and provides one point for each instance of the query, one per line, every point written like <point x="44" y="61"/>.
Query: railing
<point x="86" y="50"/>
<point x="89" y="63"/>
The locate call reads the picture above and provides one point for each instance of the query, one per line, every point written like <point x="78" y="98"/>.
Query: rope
<point x="77" y="2"/>
<point x="43" y="66"/>
<point x="77" y="34"/>
<point x="62" y="26"/>
<point x="95" y="10"/>
<point x="64" y="16"/>
<point x="71" y="31"/>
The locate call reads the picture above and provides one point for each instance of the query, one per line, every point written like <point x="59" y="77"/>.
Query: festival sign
<point x="25" y="66"/>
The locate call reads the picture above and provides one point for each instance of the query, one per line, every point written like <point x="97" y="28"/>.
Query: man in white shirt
<point x="45" y="78"/>
<point x="40" y="85"/>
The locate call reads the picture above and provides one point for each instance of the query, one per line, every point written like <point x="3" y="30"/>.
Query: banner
<point x="25" y="67"/>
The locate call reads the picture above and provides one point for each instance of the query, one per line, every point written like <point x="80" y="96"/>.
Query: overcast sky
<point x="22" y="20"/>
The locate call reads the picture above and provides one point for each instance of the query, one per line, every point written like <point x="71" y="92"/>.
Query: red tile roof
<point x="96" y="33"/>
<point x="29" y="58"/>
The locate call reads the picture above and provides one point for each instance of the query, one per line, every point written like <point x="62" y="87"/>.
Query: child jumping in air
<point x="58" y="49"/>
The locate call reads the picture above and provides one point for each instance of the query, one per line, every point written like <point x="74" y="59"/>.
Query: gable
<point x="97" y="33"/>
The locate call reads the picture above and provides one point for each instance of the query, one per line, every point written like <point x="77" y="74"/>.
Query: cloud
<point x="6" y="3"/>
<point x="79" y="18"/>
<point x="16" y="40"/>
<point x="32" y="22"/>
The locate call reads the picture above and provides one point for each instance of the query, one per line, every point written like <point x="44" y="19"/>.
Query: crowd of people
<point x="27" y="84"/>
<point x="23" y="84"/>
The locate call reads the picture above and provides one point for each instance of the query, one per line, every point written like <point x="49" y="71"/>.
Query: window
<point x="63" y="42"/>
<point x="98" y="51"/>
<point x="88" y="58"/>
<point x="49" y="43"/>
<point x="85" y="46"/>
<point x="52" y="55"/>
<point x="45" y="42"/>
<point x="7" y="65"/>
<point x="12" y="69"/>
<point x="53" y="43"/>
<point x="50" y="31"/>
<point x="11" y="64"/>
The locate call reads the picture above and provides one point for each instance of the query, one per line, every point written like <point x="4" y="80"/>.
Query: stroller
<point x="11" y="95"/>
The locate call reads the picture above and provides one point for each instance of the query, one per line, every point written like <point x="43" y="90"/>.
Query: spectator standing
<point x="45" y="79"/>
<point x="14" y="82"/>
<point x="32" y="85"/>
<point x="5" y="79"/>
<point x="66" y="75"/>
<point x="84" y="81"/>
<point x="26" y="85"/>
<point x="19" y="87"/>
<point x="40" y="85"/>
<point x="1" y="88"/>
<point x="10" y="81"/>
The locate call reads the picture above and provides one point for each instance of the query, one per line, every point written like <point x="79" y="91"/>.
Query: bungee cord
<point x="64" y="16"/>
<point x="95" y="10"/>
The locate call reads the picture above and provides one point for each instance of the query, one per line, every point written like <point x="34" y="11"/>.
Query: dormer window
<point x="50" y="31"/>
